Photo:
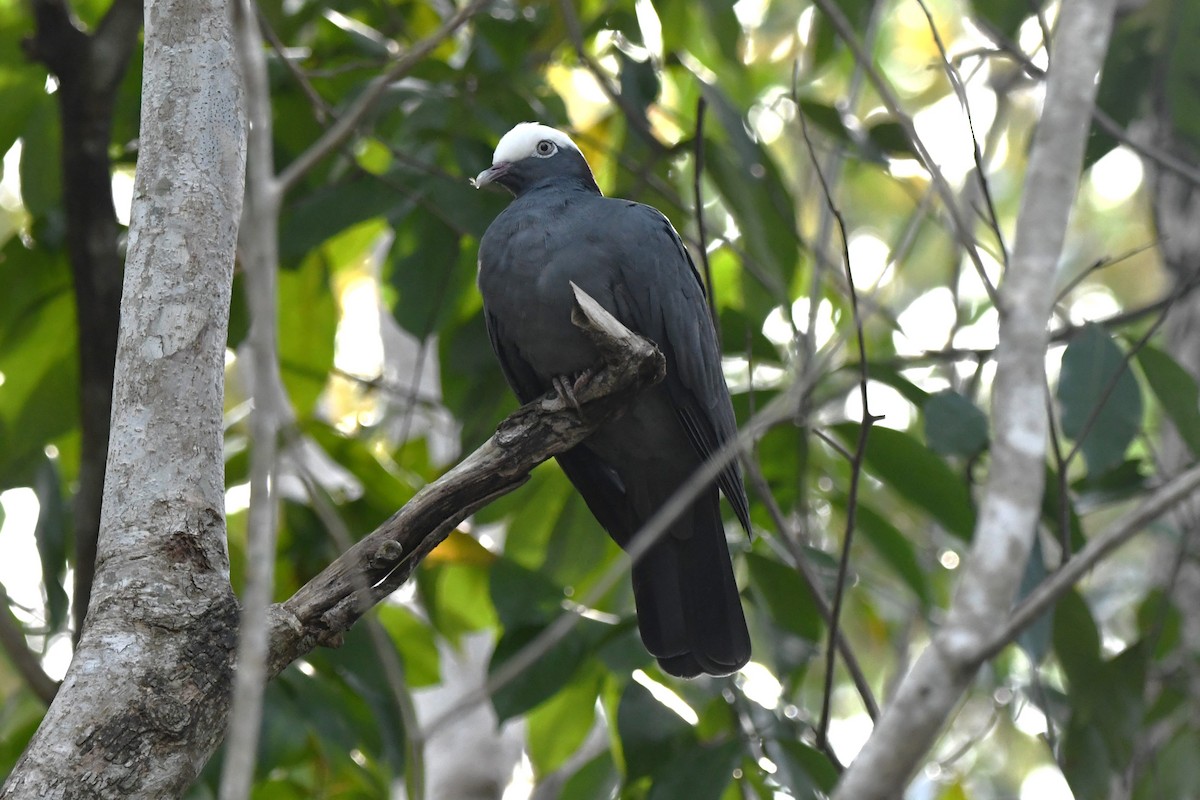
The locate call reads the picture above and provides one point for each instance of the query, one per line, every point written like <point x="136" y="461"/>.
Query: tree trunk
<point x="144" y="702"/>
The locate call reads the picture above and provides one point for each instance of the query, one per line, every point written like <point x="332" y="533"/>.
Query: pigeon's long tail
<point x="689" y="612"/>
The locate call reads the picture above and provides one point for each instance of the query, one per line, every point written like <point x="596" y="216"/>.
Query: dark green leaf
<point x="892" y="140"/>
<point x="651" y="734"/>
<point x="699" y="773"/>
<point x="1076" y="640"/>
<point x="1183" y="72"/>
<point x="912" y="471"/>
<point x="523" y="596"/>
<point x="548" y="674"/>
<point x="595" y="780"/>
<point x="1035" y="639"/>
<point x="802" y="769"/>
<point x="1085" y="761"/>
<point x="51" y="533"/>
<point x="1005" y="16"/>
<point x="788" y="599"/>
<point x="1176" y="391"/>
<point x="954" y="426"/>
<point x="1099" y="398"/>
<point x="1124" y="81"/>
<point x="752" y="186"/>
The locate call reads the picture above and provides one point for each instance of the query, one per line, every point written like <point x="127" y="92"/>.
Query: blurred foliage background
<point x="720" y="115"/>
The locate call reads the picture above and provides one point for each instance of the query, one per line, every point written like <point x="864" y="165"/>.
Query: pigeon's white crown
<point x="521" y="142"/>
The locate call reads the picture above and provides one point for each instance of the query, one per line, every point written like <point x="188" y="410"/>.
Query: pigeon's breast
<point x="528" y="260"/>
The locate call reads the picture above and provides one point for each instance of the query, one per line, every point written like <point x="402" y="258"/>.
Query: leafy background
<point x="385" y="359"/>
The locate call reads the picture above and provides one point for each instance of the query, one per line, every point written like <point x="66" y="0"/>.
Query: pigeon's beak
<point x="490" y="174"/>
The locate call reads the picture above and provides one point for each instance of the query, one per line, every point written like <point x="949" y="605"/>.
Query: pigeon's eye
<point x="546" y="148"/>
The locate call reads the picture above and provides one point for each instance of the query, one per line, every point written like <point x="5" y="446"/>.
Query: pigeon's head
<point x="532" y="154"/>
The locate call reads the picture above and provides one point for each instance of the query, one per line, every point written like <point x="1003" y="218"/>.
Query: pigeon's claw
<point x="567" y="388"/>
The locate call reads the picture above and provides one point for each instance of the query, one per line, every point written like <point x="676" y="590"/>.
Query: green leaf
<point x="954" y="426"/>
<point x="1121" y="686"/>
<point x="41" y="171"/>
<point x="414" y="640"/>
<point x="1106" y="420"/>
<point x="697" y="773"/>
<point x="1035" y="639"/>
<point x="1176" y="392"/>
<point x="1085" y="761"/>
<point x="892" y="140"/>
<point x="595" y="780"/>
<point x="1052" y="512"/>
<point x="51" y="533"/>
<point x="39" y="399"/>
<point x="788" y="599"/>
<point x="308" y="318"/>
<point x="1005" y="15"/>
<point x="895" y="549"/>
<point x="802" y="769"/>
<point x="456" y="597"/>
<point x="1183" y="73"/>
<point x="1124" y="81"/>
<point x="329" y="210"/>
<point x="908" y="468"/>
<point x="650" y="733"/>
<point x="549" y="673"/>
<point x="752" y="186"/>
<point x="1076" y="640"/>
<point x="523" y="596"/>
<point x="558" y="727"/>
<point x="1175" y="771"/>
<point x="429" y="269"/>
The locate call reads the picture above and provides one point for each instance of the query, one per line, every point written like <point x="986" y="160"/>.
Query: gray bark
<point x="143" y="703"/>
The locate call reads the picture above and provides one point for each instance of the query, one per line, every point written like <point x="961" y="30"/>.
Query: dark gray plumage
<point x="627" y="256"/>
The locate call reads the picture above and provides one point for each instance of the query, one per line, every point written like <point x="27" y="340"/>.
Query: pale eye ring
<point x="545" y="148"/>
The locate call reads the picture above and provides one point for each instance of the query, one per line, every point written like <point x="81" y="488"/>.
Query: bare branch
<point x="259" y="250"/>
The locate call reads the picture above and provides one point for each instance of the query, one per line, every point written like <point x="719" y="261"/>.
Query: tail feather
<point x="689" y="612"/>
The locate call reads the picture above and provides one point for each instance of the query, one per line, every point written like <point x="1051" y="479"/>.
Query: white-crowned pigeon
<point x="560" y="229"/>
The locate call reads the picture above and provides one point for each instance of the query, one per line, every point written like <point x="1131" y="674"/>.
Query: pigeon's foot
<point x="568" y="387"/>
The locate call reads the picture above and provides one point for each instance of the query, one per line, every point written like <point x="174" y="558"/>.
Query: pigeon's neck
<point x="572" y="183"/>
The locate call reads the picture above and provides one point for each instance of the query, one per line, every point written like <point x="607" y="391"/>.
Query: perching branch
<point x="1012" y="496"/>
<point x="324" y="608"/>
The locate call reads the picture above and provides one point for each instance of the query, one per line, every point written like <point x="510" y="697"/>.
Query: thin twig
<point x="960" y="91"/>
<point x="245" y="716"/>
<point x="12" y="639"/>
<point x="860" y="450"/>
<point x="800" y="563"/>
